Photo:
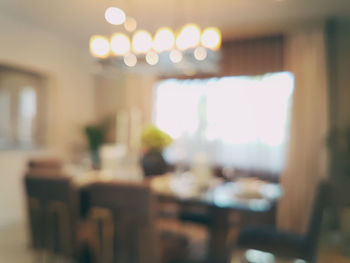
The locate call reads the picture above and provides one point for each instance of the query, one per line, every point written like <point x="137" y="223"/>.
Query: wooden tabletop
<point x="245" y="194"/>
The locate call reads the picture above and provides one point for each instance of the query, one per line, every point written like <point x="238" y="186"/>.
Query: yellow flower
<point x="153" y="138"/>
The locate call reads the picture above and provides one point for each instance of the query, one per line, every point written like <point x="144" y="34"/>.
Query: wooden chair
<point x="286" y="244"/>
<point x="47" y="163"/>
<point x="52" y="211"/>
<point x="123" y="226"/>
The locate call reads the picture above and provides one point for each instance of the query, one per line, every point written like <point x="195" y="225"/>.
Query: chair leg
<point x="45" y="257"/>
<point x="52" y="258"/>
<point x="37" y="256"/>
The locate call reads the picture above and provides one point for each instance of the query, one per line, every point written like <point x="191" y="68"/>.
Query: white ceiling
<point x="79" y="19"/>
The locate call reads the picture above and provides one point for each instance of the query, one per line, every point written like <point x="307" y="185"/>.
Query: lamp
<point x="190" y="40"/>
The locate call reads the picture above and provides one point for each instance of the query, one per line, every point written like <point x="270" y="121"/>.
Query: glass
<point x="219" y="194"/>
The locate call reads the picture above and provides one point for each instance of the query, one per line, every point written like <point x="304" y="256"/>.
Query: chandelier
<point x="139" y="45"/>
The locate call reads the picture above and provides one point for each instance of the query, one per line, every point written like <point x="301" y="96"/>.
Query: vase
<point x="153" y="163"/>
<point x="95" y="159"/>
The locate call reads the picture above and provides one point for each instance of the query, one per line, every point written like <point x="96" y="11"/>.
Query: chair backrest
<point x="123" y="217"/>
<point x="315" y="222"/>
<point x="51" y="208"/>
<point x="45" y="163"/>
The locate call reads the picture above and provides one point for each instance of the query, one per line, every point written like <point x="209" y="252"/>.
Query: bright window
<point x="241" y="122"/>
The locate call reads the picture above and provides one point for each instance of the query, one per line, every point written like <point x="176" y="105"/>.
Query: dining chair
<point x="52" y="214"/>
<point x="123" y="226"/>
<point x="287" y="244"/>
<point x="48" y="163"/>
<point x="194" y="213"/>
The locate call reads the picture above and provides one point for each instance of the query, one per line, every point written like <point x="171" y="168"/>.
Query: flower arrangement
<point x="95" y="135"/>
<point x="153" y="139"/>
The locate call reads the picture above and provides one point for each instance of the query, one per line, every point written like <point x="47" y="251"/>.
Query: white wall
<point x="70" y="87"/>
<point x="124" y="91"/>
<point x="70" y="99"/>
<point x="139" y="93"/>
<point x="12" y="200"/>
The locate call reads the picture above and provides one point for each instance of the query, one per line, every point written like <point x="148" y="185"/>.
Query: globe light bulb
<point x="120" y="44"/>
<point x="99" y="46"/>
<point x="130" y="24"/>
<point x="211" y="38"/>
<point x="175" y="56"/>
<point x="142" y="42"/>
<point x="152" y="58"/>
<point x="130" y="60"/>
<point x="115" y="15"/>
<point x="189" y="37"/>
<point x="164" y="39"/>
<point x="200" y="53"/>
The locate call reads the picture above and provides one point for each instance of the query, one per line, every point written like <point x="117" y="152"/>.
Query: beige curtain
<point x="306" y="162"/>
<point x="246" y="57"/>
<point x="252" y="56"/>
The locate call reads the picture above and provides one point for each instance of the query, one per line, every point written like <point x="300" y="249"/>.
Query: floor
<point x="14" y="249"/>
<point x="14" y="246"/>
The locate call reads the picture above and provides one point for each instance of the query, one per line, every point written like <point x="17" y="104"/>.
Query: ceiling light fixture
<point x="211" y="38"/>
<point x="141" y="42"/>
<point x="115" y="16"/>
<point x="120" y="44"/>
<point x="189" y="37"/>
<point x="190" y="40"/>
<point x="164" y="39"/>
<point x="130" y="24"/>
<point x="175" y="56"/>
<point x="99" y="46"/>
<point x="152" y="58"/>
<point x="200" y="53"/>
<point x="130" y="60"/>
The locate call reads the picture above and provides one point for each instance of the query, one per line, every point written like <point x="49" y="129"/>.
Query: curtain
<point x="244" y="57"/>
<point x="254" y="56"/>
<point x="306" y="160"/>
<point x="239" y="122"/>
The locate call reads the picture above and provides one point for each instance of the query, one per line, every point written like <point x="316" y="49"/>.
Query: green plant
<point x="95" y="135"/>
<point x="154" y="139"/>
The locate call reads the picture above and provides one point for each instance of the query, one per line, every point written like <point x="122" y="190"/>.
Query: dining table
<point x="223" y="200"/>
